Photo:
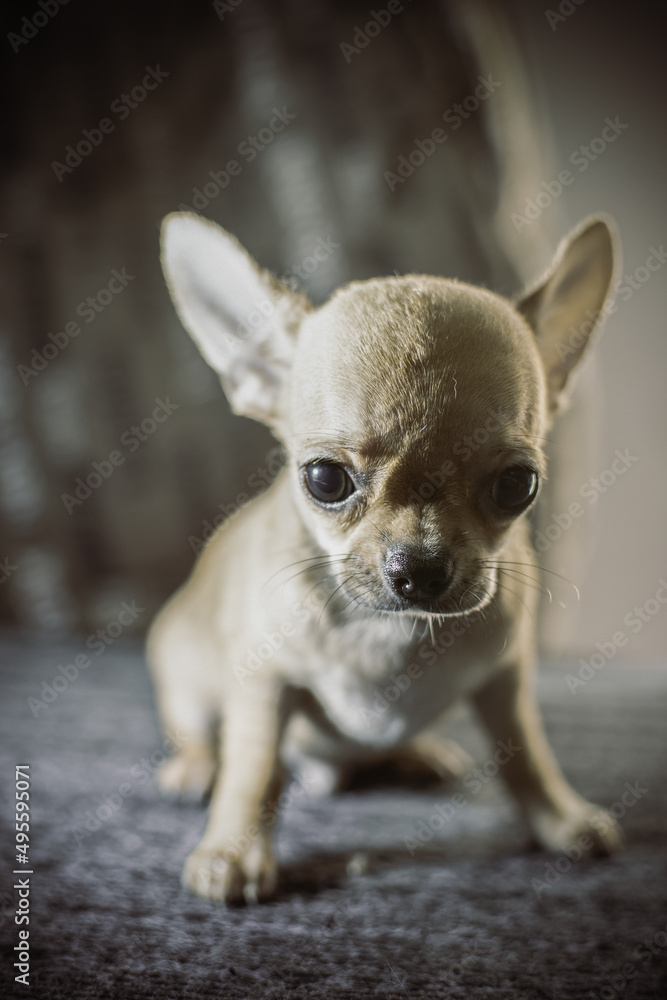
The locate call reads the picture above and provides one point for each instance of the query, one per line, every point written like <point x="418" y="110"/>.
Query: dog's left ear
<point x="566" y="307"/>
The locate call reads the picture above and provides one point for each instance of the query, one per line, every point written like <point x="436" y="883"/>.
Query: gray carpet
<point x="356" y="915"/>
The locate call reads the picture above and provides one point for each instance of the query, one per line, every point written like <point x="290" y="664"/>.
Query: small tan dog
<point x="412" y="411"/>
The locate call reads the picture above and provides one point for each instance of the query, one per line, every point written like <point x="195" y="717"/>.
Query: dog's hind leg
<point x="426" y="760"/>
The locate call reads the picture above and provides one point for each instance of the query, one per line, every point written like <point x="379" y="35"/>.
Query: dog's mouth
<point x="466" y="601"/>
<point x="457" y="601"/>
<point x="420" y="598"/>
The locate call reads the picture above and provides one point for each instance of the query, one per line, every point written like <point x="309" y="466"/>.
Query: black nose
<point x="416" y="577"/>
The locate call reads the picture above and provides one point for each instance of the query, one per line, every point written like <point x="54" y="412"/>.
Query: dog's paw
<point x="187" y="776"/>
<point x="590" y="830"/>
<point x="249" y="877"/>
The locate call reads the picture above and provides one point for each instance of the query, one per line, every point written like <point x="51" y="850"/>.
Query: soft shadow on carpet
<point x="472" y="914"/>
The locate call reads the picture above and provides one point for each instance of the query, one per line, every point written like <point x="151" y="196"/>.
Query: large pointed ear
<point x="243" y="320"/>
<point x="567" y="306"/>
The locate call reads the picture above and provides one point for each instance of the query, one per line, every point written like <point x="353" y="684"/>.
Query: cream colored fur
<point x="424" y="390"/>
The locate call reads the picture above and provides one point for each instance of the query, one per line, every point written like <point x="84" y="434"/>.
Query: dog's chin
<point x="459" y="602"/>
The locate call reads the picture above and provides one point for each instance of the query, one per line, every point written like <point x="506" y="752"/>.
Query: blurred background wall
<point x="337" y="141"/>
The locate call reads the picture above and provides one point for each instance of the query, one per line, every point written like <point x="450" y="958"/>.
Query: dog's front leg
<point x="234" y="860"/>
<point x="558" y="817"/>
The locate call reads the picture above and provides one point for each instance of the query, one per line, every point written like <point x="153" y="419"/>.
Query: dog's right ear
<point x="243" y="320"/>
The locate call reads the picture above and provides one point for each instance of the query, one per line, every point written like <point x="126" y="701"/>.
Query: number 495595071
<point x="22" y="812"/>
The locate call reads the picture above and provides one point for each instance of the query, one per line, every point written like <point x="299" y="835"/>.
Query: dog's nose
<point x="418" y="578"/>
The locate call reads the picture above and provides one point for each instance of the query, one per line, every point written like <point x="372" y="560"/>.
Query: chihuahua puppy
<point x="412" y="411"/>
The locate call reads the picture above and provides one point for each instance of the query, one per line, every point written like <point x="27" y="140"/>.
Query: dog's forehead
<point x="400" y="355"/>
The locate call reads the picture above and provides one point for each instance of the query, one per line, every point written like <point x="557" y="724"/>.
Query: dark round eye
<point x="515" y="487"/>
<point x="328" y="482"/>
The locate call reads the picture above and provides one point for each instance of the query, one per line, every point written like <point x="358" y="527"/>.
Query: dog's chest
<point x="378" y="690"/>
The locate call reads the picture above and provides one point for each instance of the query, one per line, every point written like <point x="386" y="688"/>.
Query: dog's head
<point x="412" y="409"/>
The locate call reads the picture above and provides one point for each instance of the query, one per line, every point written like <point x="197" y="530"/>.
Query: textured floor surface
<point x="472" y="914"/>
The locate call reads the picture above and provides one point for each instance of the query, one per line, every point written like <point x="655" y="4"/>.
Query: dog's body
<point x="412" y="411"/>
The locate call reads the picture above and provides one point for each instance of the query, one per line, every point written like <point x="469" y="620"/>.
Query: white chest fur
<point x="379" y="688"/>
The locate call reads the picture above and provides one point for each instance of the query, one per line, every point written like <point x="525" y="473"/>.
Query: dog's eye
<point x="515" y="488"/>
<point x="328" y="482"/>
